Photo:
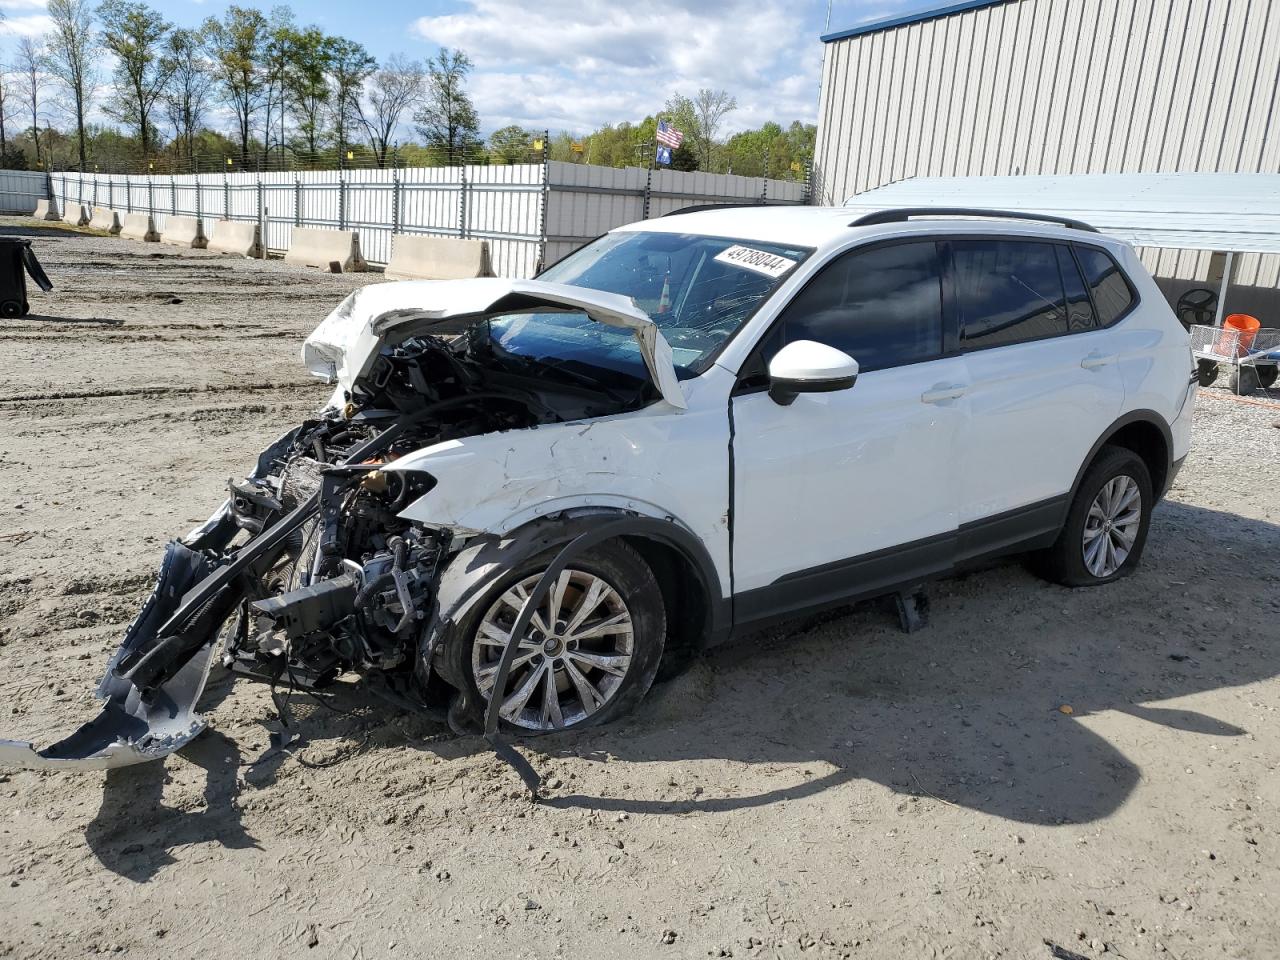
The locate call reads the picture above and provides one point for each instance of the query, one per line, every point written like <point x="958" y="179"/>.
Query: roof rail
<point x="717" y="206"/>
<point x="906" y="213"/>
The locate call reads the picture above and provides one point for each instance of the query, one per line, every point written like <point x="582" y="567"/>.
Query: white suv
<point x="688" y="428"/>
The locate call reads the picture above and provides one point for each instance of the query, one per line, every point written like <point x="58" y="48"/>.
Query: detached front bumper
<point x="131" y="729"/>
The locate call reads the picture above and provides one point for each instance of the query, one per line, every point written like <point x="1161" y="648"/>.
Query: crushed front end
<point x="309" y="570"/>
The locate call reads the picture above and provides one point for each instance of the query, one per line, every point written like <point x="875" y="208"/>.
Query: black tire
<point x="1244" y="379"/>
<point x="623" y="569"/>
<point x="1064" y="562"/>
<point x="1206" y="372"/>
<point x="1267" y="376"/>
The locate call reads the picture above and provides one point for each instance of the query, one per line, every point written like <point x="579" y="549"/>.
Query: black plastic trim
<point x="895" y="568"/>
<point x="902" y="214"/>
<point x="1134" y="416"/>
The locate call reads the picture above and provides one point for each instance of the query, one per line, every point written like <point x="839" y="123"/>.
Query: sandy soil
<point x="838" y="789"/>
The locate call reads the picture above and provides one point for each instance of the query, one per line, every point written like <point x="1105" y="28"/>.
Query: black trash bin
<point x="17" y="259"/>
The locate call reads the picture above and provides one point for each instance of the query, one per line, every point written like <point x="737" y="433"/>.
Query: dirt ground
<point x="1041" y="773"/>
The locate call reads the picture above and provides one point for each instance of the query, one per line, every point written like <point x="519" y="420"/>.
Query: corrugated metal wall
<point x="1059" y="86"/>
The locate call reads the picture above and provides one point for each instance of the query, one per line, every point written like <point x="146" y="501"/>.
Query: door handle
<point x="1095" y="360"/>
<point x="943" y="392"/>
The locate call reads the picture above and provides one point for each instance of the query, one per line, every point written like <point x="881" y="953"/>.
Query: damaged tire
<point x="591" y="651"/>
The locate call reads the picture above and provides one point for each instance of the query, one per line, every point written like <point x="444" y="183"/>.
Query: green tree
<point x="511" y="144"/>
<point x="447" y="119"/>
<point x="307" y="86"/>
<point x="70" y="58"/>
<point x="236" y="45"/>
<point x="185" y="98"/>
<point x="349" y="67"/>
<point x="277" y="48"/>
<point x="136" y="34"/>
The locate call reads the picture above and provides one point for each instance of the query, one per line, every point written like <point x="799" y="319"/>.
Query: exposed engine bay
<point x="309" y="570"/>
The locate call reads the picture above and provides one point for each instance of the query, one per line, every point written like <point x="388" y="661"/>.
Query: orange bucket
<point x="1238" y="331"/>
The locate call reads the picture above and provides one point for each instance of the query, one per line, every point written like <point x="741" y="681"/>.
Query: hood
<point x="345" y="344"/>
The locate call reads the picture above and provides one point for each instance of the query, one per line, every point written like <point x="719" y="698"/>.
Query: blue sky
<point x="575" y="64"/>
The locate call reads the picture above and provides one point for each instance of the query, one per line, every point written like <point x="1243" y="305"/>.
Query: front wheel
<point x="591" y="650"/>
<point x="1106" y="526"/>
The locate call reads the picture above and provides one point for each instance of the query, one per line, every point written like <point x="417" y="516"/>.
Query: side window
<point x="1008" y="291"/>
<point x="881" y="306"/>
<point x="1111" y="292"/>
<point x="1079" y="309"/>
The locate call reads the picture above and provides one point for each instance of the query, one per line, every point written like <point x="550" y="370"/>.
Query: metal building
<point x="1013" y="87"/>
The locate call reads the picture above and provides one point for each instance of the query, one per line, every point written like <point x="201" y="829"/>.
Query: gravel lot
<point x="1090" y="772"/>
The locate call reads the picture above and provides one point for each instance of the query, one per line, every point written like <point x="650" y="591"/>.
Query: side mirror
<point x="809" y="367"/>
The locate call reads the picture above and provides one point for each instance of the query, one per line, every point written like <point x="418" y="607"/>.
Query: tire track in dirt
<point x="150" y="391"/>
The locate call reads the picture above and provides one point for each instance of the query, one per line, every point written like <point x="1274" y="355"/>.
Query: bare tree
<point x="31" y="82"/>
<point x="70" y="49"/>
<point x="236" y="43"/>
<point x="399" y="85"/>
<point x="710" y="107"/>
<point x="4" y="108"/>
<point x="190" y="82"/>
<point x="137" y="35"/>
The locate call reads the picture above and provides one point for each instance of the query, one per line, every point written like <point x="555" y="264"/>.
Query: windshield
<point x="698" y="290"/>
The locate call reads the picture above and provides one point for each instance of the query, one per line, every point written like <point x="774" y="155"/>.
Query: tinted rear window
<point x="1009" y="291"/>
<point x="1111" y="292"/>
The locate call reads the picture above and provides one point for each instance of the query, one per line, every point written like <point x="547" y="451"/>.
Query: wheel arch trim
<point x="1149" y="417"/>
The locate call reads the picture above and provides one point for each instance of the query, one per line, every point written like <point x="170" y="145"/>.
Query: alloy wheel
<point x="1111" y="526"/>
<point x="572" y="660"/>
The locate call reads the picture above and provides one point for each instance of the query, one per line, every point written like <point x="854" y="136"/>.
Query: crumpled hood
<point x="345" y="344"/>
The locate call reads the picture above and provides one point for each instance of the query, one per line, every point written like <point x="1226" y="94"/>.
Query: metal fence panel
<point x="529" y="213"/>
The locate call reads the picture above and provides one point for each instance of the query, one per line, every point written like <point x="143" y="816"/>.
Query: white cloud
<point x="34" y="25"/>
<point x="576" y="65"/>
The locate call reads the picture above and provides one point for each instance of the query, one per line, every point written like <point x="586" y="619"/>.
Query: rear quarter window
<point x="1112" y="294"/>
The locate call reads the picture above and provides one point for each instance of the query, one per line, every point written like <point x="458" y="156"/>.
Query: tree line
<point x="298" y="96"/>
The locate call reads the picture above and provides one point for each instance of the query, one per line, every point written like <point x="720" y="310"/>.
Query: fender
<point x="487" y="557"/>
<point x="1133" y="416"/>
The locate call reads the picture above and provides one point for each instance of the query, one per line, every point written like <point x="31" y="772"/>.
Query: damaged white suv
<point x="525" y="496"/>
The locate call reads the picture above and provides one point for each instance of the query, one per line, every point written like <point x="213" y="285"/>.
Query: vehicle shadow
<point x="134" y="831"/>
<point x="992" y="707"/>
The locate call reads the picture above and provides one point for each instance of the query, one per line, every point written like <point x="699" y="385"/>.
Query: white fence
<point x="20" y="189"/>
<point x="531" y="214"/>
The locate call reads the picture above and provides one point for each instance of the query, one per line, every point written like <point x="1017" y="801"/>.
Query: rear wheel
<point x="1106" y="527"/>
<point x="1267" y="375"/>
<point x="590" y="652"/>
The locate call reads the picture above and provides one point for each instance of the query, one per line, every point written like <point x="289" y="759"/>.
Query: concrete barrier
<point x="185" y="232"/>
<point x="313" y="247"/>
<point x="86" y="214"/>
<point x="416" y="257"/>
<point x="47" y="210"/>
<point x="139" y="226"/>
<point x="235" y="236"/>
<point x="104" y="218"/>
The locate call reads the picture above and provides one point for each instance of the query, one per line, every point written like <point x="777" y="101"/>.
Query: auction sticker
<point x="770" y="264"/>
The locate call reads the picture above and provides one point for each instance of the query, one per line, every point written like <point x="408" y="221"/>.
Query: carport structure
<point x="1228" y="214"/>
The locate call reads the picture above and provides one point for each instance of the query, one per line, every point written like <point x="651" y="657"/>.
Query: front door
<point x="845" y="494"/>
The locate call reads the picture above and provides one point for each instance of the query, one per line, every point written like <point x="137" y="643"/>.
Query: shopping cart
<point x="1253" y="356"/>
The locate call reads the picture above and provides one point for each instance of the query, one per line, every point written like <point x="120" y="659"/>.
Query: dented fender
<point x="634" y="463"/>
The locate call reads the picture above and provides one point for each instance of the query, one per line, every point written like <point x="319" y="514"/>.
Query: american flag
<point x="668" y="135"/>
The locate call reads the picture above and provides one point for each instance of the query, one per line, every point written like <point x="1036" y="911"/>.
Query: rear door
<point x="845" y="493"/>
<point x="1043" y="386"/>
